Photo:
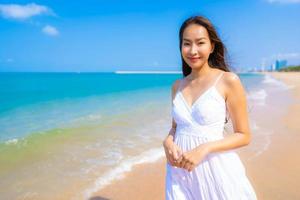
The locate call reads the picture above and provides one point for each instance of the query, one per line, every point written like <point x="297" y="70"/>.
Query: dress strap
<point x="218" y="78"/>
<point x="179" y="85"/>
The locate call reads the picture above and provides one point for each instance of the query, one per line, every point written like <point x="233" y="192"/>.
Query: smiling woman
<point x="201" y="163"/>
<point x="204" y="39"/>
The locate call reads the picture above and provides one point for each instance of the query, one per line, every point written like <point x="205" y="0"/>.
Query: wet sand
<point x="274" y="174"/>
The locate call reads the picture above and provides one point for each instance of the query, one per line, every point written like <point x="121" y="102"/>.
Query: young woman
<point x="201" y="162"/>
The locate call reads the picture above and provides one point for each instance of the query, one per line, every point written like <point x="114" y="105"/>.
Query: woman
<point x="201" y="162"/>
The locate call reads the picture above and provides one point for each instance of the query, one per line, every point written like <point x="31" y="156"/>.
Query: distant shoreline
<point x="147" y="72"/>
<point x="165" y="72"/>
<point x="115" y="72"/>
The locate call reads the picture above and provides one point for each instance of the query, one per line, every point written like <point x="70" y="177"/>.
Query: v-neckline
<point x="190" y="107"/>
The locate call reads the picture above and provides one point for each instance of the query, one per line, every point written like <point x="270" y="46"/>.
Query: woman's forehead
<point x="195" y="32"/>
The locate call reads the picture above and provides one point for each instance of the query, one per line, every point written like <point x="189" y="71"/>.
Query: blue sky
<point x="114" y="35"/>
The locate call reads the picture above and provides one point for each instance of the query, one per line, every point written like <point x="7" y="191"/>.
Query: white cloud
<point x="21" y="12"/>
<point x="284" y="1"/>
<point x="50" y="30"/>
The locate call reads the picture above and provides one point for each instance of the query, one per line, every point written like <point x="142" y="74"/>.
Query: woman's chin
<point x="193" y="66"/>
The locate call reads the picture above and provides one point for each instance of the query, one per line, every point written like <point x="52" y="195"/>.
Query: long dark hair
<point x="217" y="57"/>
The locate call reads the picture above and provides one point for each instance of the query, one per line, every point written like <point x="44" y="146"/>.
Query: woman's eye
<point x="201" y="43"/>
<point x="185" y="44"/>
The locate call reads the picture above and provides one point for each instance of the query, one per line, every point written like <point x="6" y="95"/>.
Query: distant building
<point x="273" y="67"/>
<point x="280" y="64"/>
<point x="276" y="66"/>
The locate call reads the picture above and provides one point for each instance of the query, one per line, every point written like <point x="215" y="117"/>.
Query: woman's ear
<point x="212" y="47"/>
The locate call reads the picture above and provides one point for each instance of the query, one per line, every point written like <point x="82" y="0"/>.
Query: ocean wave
<point x="125" y="166"/>
<point x="11" y="141"/>
<point x="265" y="146"/>
<point x="269" y="80"/>
<point x="90" y="118"/>
<point x="258" y="96"/>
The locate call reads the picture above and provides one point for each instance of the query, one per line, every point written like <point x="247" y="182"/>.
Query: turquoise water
<point x="86" y="128"/>
<point x="32" y="102"/>
<point x="21" y="89"/>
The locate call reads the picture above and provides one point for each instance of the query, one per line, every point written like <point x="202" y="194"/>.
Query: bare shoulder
<point x="231" y="80"/>
<point x="175" y="85"/>
<point x="233" y="85"/>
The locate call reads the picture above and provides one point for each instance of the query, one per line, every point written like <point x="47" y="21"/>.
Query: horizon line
<point x="147" y="72"/>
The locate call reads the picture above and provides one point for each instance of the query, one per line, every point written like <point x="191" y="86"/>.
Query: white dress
<point x="221" y="175"/>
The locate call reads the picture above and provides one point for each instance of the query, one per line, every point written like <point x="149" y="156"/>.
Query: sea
<point x="67" y="132"/>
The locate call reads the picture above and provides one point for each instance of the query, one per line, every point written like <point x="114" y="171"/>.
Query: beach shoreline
<point x="274" y="174"/>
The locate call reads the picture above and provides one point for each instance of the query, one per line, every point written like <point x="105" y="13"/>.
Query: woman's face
<point x="196" y="46"/>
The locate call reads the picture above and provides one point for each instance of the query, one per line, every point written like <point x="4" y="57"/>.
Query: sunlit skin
<point x="196" y="44"/>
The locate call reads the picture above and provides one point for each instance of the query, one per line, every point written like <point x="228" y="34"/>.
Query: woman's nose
<point x="193" y="49"/>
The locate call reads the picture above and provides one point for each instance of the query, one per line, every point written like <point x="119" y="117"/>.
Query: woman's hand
<point x="191" y="159"/>
<point x="172" y="151"/>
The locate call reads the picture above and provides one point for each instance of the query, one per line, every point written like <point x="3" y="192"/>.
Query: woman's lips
<point x="194" y="59"/>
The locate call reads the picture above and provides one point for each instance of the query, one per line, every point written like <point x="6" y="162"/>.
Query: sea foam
<point x="258" y="96"/>
<point x="125" y="166"/>
<point x="269" y="80"/>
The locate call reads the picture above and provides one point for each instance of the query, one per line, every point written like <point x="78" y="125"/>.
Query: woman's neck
<point x="200" y="73"/>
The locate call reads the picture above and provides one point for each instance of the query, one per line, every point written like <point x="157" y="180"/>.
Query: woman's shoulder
<point x="175" y="84"/>
<point x="232" y="83"/>
<point x="231" y="79"/>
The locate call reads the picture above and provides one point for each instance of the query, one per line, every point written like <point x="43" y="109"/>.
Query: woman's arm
<point x="172" y="151"/>
<point x="171" y="135"/>
<point x="237" y="107"/>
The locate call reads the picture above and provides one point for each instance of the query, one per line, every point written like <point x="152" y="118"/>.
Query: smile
<point x="193" y="59"/>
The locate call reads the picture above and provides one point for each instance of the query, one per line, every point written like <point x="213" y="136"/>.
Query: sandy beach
<point x="274" y="174"/>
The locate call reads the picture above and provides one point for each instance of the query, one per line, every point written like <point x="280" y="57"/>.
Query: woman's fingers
<point x="182" y="161"/>
<point x="179" y="152"/>
<point x="176" y="157"/>
<point x="191" y="168"/>
<point x="168" y="156"/>
<point x="179" y="160"/>
<point x="187" y="165"/>
<point x="173" y="154"/>
<point x="185" y="162"/>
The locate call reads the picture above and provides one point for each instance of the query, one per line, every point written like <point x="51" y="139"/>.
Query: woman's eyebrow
<point x="197" y="39"/>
